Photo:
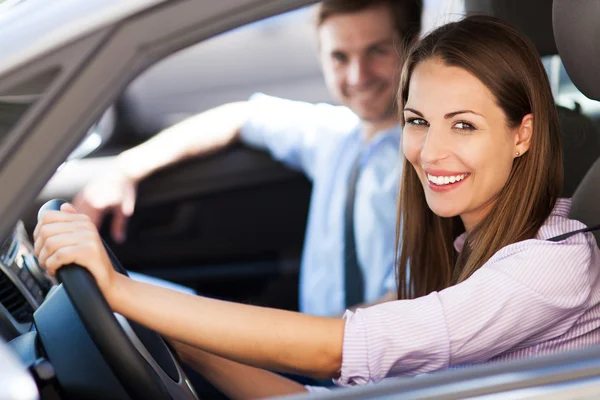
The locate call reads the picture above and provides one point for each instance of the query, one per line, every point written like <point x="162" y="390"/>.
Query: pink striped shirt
<point x="531" y="298"/>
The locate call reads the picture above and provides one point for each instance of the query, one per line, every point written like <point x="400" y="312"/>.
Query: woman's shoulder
<point x="577" y="248"/>
<point x="559" y="223"/>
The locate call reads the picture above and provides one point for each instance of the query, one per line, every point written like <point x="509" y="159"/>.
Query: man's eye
<point x="378" y="51"/>
<point x="339" y="58"/>
<point x="464" y="126"/>
<point x="416" y="121"/>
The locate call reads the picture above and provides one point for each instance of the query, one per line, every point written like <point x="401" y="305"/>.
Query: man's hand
<point x="115" y="191"/>
<point x="111" y="192"/>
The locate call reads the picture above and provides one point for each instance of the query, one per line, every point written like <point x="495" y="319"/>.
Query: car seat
<point x="578" y="41"/>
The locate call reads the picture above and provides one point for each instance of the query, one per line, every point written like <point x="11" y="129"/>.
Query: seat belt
<point x="569" y="234"/>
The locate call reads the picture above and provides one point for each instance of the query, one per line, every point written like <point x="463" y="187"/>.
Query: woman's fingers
<point x="53" y="216"/>
<point x="57" y="259"/>
<point x="78" y="253"/>
<point x="50" y="245"/>
<point x="67" y="207"/>
<point x="46" y="231"/>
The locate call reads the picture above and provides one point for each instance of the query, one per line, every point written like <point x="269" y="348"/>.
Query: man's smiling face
<point x="360" y="62"/>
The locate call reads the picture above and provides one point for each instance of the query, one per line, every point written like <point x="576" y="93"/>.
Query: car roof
<point x="38" y="26"/>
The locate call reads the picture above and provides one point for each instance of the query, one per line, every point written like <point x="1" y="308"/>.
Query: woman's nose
<point x="435" y="147"/>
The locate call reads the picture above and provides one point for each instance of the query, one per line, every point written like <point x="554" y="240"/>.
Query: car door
<point x="230" y="225"/>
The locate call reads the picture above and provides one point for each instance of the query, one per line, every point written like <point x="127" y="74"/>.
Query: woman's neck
<point x="472" y="218"/>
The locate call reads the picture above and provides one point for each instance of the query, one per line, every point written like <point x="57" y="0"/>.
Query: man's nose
<point x="358" y="73"/>
<point x="436" y="146"/>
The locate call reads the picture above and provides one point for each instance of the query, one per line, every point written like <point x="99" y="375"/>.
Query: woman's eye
<point x="416" y="121"/>
<point x="464" y="126"/>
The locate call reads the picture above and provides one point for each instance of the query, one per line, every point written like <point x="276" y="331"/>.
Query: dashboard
<point x="23" y="284"/>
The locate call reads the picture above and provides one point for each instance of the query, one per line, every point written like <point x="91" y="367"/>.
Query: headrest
<point x="532" y="17"/>
<point x="580" y="146"/>
<point x="584" y="205"/>
<point x="577" y="33"/>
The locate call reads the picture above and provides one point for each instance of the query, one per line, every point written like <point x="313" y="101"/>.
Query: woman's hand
<point x="68" y="237"/>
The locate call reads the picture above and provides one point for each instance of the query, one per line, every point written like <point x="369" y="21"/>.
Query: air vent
<point x="9" y="250"/>
<point x="12" y="299"/>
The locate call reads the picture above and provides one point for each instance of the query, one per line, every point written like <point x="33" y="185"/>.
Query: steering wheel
<point x="138" y="356"/>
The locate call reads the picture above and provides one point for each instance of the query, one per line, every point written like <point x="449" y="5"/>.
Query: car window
<point x="277" y="55"/>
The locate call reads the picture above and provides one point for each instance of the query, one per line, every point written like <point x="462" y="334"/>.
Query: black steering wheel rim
<point x="139" y="379"/>
<point x="131" y="369"/>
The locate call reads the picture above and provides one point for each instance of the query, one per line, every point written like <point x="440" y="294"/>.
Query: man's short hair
<point x="405" y="13"/>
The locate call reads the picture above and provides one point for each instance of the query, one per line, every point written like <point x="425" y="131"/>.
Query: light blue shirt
<point x="323" y="141"/>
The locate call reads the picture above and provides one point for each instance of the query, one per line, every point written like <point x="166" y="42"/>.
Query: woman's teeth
<point x="445" y="180"/>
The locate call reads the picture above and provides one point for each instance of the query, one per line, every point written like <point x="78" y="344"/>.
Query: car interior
<point x="189" y="225"/>
<point x="232" y="225"/>
<point x="196" y="202"/>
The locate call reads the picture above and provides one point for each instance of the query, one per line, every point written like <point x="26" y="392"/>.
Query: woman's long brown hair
<point x="509" y="66"/>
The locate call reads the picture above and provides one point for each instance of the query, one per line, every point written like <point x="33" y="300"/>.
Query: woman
<point x="482" y="148"/>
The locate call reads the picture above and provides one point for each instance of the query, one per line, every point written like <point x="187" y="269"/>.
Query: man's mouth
<point x="367" y="93"/>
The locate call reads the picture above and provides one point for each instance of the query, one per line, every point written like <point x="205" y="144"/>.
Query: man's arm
<point x="201" y="134"/>
<point x="115" y="190"/>
<point x="292" y="132"/>
<point x="235" y="380"/>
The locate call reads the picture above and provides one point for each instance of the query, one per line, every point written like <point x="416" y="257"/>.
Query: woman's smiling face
<point x="458" y="140"/>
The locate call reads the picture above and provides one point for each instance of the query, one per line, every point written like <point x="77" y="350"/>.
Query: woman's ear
<point x="523" y="135"/>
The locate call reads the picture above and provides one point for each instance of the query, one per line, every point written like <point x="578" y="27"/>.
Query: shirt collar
<point x="392" y="132"/>
<point x="459" y="242"/>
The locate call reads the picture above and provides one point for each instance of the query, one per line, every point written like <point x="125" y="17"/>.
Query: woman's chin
<point x="442" y="210"/>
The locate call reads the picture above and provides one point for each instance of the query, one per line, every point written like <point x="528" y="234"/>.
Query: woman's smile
<point x="444" y="181"/>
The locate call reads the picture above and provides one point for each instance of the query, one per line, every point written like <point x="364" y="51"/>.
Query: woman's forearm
<point x="266" y="338"/>
<point x="235" y="380"/>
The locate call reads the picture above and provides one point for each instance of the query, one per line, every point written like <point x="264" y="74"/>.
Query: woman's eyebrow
<point x="413" y="111"/>
<point x="455" y="113"/>
<point x="447" y="116"/>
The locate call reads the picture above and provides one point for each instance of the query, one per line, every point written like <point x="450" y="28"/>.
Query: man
<point x="349" y="153"/>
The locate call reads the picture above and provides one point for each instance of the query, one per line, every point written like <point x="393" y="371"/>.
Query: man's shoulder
<point x="322" y="117"/>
